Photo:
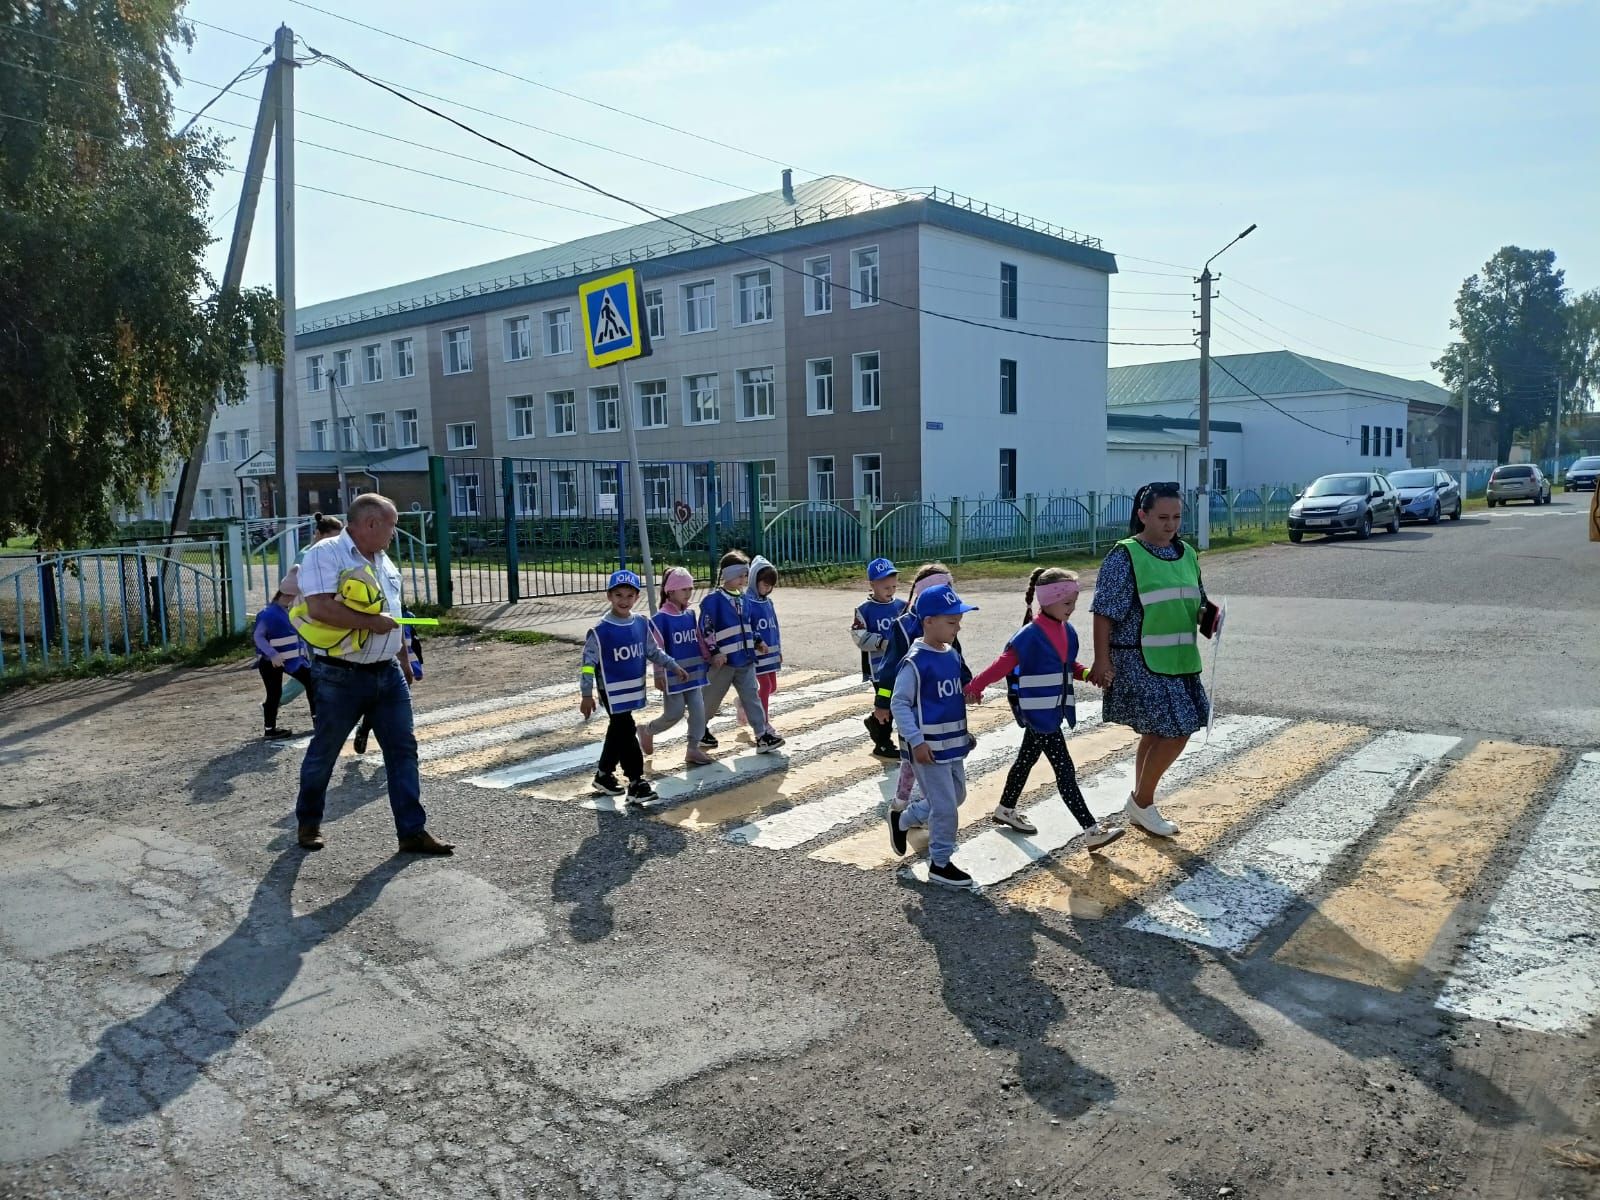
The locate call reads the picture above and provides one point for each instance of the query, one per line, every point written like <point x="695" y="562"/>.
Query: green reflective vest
<point x="1169" y="593"/>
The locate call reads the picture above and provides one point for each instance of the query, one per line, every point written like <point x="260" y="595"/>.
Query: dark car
<point x="1582" y="474"/>
<point x="1427" y="495"/>
<point x="1518" y="481"/>
<point x="1348" y="503"/>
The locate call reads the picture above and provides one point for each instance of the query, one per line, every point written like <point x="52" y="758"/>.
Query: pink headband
<point x="1055" y="593"/>
<point x="677" y="578"/>
<point x="938" y="579"/>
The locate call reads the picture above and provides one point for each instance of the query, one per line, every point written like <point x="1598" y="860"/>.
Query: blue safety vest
<point x="622" y="662"/>
<point x="906" y="629"/>
<point x="681" y="639"/>
<point x="281" y="636"/>
<point x="726" y="627"/>
<point x="763" y="618"/>
<point x="1039" y="687"/>
<point x="941" y="707"/>
<point x="879" y="617"/>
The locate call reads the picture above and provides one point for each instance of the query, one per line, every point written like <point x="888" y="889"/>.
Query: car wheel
<point x="1436" y="515"/>
<point x="1295" y="535"/>
<point x="1394" y="522"/>
<point x="1364" y="531"/>
<point x="1456" y="516"/>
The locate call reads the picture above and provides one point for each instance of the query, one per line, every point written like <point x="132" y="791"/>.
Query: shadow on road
<point x="148" y="1061"/>
<point x="605" y="861"/>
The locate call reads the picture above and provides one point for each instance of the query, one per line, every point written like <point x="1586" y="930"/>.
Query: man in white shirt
<point x="371" y="678"/>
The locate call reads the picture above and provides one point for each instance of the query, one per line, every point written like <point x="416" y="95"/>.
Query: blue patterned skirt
<point x="1160" y="705"/>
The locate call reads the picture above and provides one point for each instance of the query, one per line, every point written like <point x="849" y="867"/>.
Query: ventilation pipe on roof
<point x="788" y="185"/>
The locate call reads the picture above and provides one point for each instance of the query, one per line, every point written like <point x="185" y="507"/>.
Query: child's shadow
<point x="606" y="861"/>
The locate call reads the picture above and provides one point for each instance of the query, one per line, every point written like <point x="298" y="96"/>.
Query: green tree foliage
<point x="114" y="347"/>
<point x="1580" y="368"/>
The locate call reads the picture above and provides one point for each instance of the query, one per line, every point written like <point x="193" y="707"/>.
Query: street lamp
<point x="1203" y="524"/>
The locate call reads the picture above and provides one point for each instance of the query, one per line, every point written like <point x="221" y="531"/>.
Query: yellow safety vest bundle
<point x="1169" y="593"/>
<point x="359" y="590"/>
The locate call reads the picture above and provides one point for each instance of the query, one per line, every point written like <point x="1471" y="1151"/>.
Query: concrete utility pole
<point x="1203" y="522"/>
<point x="1464" y="407"/>
<point x="286" y="420"/>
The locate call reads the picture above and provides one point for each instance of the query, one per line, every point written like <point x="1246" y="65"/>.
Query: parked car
<point x="1582" y="474"/>
<point x="1427" y="495"/>
<point x="1348" y="503"/>
<point x="1519" y="481"/>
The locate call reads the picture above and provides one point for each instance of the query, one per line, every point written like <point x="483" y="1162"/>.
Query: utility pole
<point x="1203" y="524"/>
<point x="1464" y="407"/>
<point x="286" y="420"/>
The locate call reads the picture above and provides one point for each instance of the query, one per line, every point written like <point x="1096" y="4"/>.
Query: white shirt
<point x="319" y="576"/>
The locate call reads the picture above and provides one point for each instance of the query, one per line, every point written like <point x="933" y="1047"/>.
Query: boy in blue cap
<point x="930" y="712"/>
<point x="616" y="650"/>
<point x="874" y="620"/>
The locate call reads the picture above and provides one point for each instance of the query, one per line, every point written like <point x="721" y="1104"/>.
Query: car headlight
<point x="1348" y="507"/>
<point x="1294" y="509"/>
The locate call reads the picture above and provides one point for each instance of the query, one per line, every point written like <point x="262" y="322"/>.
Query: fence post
<point x="711" y="519"/>
<point x="438" y="493"/>
<point x="1030" y="513"/>
<point x="1094" y="523"/>
<point x="752" y="484"/>
<point x="236" y="576"/>
<point x="508" y="489"/>
<point x="955" y="529"/>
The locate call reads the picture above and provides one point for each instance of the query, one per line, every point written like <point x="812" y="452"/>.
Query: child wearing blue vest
<point x="734" y="648"/>
<point x="677" y="628"/>
<point x="869" y="629"/>
<point x="762" y="613"/>
<point x="1039" y="664"/>
<point x="617" y="650"/>
<point x="411" y="663"/>
<point x="930" y="712"/>
<point x="279" y="652"/>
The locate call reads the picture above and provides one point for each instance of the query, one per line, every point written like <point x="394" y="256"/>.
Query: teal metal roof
<point x="1274" y="373"/>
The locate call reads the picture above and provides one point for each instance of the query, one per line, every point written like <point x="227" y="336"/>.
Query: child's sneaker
<point x="277" y="735"/>
<point x="1013" y="819"/>
<point x="1101" y="834"/>
<point x="707" y="742"/>
<point x="361" y="740"/>
<point x="640" y="793"/>
<point x="605" y="784"/>
<point x="696" y="757"/>
<point x="768" y="743"/>
<point x="949" y="875"/>
<point x="647" y="741"/>
<point x="897" y="836"/>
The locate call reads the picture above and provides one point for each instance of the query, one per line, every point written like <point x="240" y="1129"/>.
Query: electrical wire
<point x="1318" y="347"/>
<point x="250" y="69"/>
<point x="1330" y="320"/>
<point x="1345" y="437"/>
<point x="223" y="29"/>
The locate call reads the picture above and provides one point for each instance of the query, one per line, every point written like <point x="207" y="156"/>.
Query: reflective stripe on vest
<point x="880" y="619"/>
<point x="681" y="639"/>
<point x="941" y="708"/>
<point x="1169" y="594"/>
<point x="1040" y="687"/>
<point x="622" y="662"/>
<point x="763" y="618"/>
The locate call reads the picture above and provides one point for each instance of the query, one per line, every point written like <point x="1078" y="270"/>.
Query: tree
<point x="1580" y="367"/>
<point x="1513" y="329"/>
<point x="114" y="348"/>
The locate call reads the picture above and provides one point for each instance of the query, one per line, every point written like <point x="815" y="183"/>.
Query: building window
<point x="1399" y="439"/>
<point x="169" y="501"/>
<point x="864" y="276"/>
<point x="1008" y="291"/>
<point x="564" y="481"/>
<point x="657" y="488"/>
<point x="347" y="433"/>
<point x="242" y="439"/>
<point x="319" y="435"/>
<point x="405" y="427"/>
<point x="343" y="373"/>
<point x="1388" y="442"/>
<point x="227" y="501"/>
<point x="457" y="351"/>
<point x="700" y="404"/>
<point x="607" y="484"/>
<point x="1008" y="385"/>
<point x="372" y="363"/>
<point x="205" y="452"/>
<point x="558" y="331"/>
<point x="208" y="506"/>
<point x="755" y="297"/>
<point x="819" y="285"/>
<point x="563" y="413"/>
<point x="819" y="387"/>
<point x="405" y="362"/>
<point x="252" y="504"/>
<point x="605" y="409"/>
<point x="653" y="404"/>
<point x="700" y="306"/>
<point x="316" y="378"/>
<point x="519" y="339"/>
<point x="1365" y="439"/>
<point x="1008" y="475"/>
<point x="527" y="485"/>
<point x="869" y="477"/>
<point x="219" y="441"/>
<point x="655" y="314"/>
<point x="767" y="482"/>
<point x="1219" y="474"/>
<point x="464" y="494"/>
<point x="820" y="477"/>
<point x="461" y="436"/>
<point x="869" y="383"/>
<point x="377" y="431"/>
<point x="755" y="394"/>
<point x="519" y="417"/>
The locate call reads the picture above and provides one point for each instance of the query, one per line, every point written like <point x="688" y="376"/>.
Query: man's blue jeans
<point x="342" y="696"/>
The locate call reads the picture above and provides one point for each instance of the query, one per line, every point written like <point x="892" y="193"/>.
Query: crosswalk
<point x="1384" y="858"/>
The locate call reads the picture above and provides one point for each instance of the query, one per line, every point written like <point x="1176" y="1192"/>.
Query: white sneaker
<point x="1011" y="817"/>
<point x="1148" y="819"/>
<point x="1101" y="834"/>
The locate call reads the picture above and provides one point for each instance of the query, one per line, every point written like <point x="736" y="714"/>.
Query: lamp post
<point x="1203" y="525"/>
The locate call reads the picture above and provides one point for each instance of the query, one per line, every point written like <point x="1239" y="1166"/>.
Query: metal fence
<point x="273" y="545"/>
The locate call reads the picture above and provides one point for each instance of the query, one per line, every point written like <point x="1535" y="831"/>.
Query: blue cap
<point x="880" y="568"/>
<point x="942" y="602"/>
<point x="624" y="579"/>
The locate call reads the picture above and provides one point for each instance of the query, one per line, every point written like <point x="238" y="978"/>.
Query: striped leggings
<point x="1054" y="747"/>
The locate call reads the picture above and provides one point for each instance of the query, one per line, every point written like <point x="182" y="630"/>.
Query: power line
<point x="223" y="29"/>
<point x="1317" y="346"/>
<point x="1345" y="437"/>
<point x="1330" y="320"/>
<point x="250" y="69"/>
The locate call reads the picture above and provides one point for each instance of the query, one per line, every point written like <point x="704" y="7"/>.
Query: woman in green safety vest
<point x="1147" y="607"/>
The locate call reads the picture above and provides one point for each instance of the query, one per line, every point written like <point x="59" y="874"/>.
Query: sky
<point x="1384" y="148"/>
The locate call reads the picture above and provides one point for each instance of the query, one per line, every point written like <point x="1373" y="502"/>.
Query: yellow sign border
<point x="631" y="277"/>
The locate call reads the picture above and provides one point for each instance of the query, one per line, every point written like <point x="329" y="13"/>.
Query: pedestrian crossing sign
<point x="611" y="328"/>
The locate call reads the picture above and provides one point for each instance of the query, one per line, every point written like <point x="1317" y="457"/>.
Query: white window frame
<point x="169" y="501"/>
<point x="457" y="350"/>
<point x="404" y="424"/>
<point x="1015" y="468"/>
<point x="866" y="481"/>
<point x="344" y="368"/>
<point x="346" y="433"/>
<point x="858" y="380"/>
<point x="316" y="377"/>
<point x="655" y="313"/>
<point x="252" y="504"/>
<point x="605" y="394"/>
<point x="227" y="501"/>
<point x="1012" y="398"/>
<point x="661" y="398"/>
<point x="603" y="474"/>
<point x="454" y="440"/>
<point x="405" y="357"/>
<point x="220" y="452"/>
<point x="767" y="483"/>
<point x="372" y="362"/>
<point x="241" y="443"/>
<point x="754" y="296"/>
<point x="751" y="390"/>
<point x="689" y="299"/>
<point x="819" y="285"/>
<point x="319" y="434"/>
<point x="1014" y="288"/>
<point x="553" y="403"/>
<point x="377" y="431"/>
<point x="517" y="338"/>
<point x="865" y="277"/>
<point x="690" y="393"/>
<point x="460" y="489"/>
<point x="525" y="488"/>
<point x="557" y="326"/>
<point x="208" y="504"/>
<point x="814" y="406"/>
<point x="564" y="477"/>
<point x="514" y="409"/>
<point x="657" y="482"/>
<point x="814" y="478"/>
